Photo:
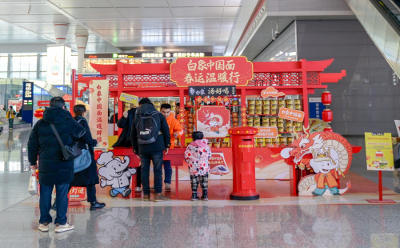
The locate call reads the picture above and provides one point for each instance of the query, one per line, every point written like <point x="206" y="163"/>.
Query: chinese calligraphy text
<point x="212" y="90"/>
<point x="211" y="71"/>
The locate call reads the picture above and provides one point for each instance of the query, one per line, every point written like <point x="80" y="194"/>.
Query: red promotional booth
<point x="216" y="94"/>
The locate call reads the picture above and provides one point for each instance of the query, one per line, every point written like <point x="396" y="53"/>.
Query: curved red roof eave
<point x="258" y="67"/>
<point x="132" y="69"/>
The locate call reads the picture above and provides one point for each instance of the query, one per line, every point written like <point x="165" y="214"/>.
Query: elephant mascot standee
<point x="116" y="174"/>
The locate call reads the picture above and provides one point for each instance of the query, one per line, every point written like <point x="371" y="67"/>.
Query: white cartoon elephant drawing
<point x="116" y="174"/>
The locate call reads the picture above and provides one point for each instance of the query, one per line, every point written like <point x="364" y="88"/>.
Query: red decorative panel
<point x="113" y="81"/>
<point x="148" y="81"/>
<point x="291" y="78"/>
<point x="276" y="79"/>
<point x="313" y="78"/>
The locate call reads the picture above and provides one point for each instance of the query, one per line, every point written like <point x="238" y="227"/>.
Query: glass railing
<point x="390" y="9"/>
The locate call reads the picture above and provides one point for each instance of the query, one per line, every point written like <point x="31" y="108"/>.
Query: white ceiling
<point x="175" y="25"/>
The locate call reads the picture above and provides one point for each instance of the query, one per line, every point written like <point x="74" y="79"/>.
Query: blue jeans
<point x="61" y="203"/>
<point x="333" y="190"/>
<point x="10" y="123"/>
<point x="157" y="158"/>
<point x="167" y="171"/>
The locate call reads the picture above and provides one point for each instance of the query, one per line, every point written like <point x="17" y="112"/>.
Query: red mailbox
<point x="244" y="170"/>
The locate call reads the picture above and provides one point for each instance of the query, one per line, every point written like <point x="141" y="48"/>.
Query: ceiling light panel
<point x="34" y="18"/>
<point x="10" y="10"/>
<point x="235" y="3"/>
<point x="199" y="23"/>
<point x="230" y="11"/>
<point x="111" y="24"/>
<point x="145" y="12"/>
<point x="118" y="33"/>
<point x="94" y="13"/>
<point x="202" y="12"/>
<point x="154" y="23"/>
<point x="82" y="3"/>
<point x="139" y="3"/>
<point x="36" y="9"/>
<point x="191" y="3"/>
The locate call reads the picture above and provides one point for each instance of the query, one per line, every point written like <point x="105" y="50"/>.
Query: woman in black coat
<point x="88" y="177"/>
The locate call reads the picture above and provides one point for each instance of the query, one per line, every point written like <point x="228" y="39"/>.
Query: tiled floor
<point x="276" y="220"/>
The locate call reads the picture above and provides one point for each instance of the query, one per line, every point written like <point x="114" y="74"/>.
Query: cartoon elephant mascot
<point x="116" y="174"/>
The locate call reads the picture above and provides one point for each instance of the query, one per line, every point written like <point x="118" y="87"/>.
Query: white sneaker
<point x="138" y="189"/>
<point x="167" y="187"/>
<point x="43" y="227"/>
<point x="64" y="228"/>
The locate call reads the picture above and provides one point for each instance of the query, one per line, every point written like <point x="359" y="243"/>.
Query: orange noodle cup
<point x="283" y="140"/>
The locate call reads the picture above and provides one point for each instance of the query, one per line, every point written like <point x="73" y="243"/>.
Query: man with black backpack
<point x="150" y="137"/>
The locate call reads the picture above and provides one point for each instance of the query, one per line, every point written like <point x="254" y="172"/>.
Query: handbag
<point x="70" y="152"/>
<point x="83" y="161"/>
<point x="33" y="185"/>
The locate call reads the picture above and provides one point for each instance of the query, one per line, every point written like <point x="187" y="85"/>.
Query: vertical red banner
<point x="98" y="114"/>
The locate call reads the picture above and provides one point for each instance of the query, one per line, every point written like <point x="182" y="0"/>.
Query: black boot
<point x="194" y="196"/>
<point x="126" y="192"/>
<point x="96" y="205"/>
<point x="204" y="197"/>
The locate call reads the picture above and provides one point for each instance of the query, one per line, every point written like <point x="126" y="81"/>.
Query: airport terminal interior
<point x="297" y="104"/>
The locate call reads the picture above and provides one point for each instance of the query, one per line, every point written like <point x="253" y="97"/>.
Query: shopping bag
<point x="33" y="185"/>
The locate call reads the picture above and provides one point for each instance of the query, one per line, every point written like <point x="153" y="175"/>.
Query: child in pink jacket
<point x="197" y="155"/>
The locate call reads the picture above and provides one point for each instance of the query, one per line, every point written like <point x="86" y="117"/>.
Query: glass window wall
<point x="3" y="65"/>
<point x="24" y="66"/>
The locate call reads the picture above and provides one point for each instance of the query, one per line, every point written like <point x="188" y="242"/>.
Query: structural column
<point x="81" y="42"/>
<point x="61" y="32"/>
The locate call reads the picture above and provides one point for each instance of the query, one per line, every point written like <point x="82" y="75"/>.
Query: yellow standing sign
<point x="378" y="147"/>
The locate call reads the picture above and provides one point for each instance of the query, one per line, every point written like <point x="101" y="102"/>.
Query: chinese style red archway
<point x="292" y="78"/>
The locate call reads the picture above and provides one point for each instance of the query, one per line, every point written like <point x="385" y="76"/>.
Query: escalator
<point x="51" y="89"/>
<point x="381" y="21"/>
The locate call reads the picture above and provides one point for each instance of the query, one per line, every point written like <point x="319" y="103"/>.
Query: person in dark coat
<point x="125" y="123"/>
<point x="53" y="169"/>
<point x="124" y="140"/>
<point x="88" y="177"/>
<point x="151" y="152"/>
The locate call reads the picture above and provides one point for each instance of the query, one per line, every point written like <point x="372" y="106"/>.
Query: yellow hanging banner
<point x="379" y="151"/>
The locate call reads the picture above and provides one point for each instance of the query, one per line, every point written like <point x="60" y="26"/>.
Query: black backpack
<point x="148" y="128"/>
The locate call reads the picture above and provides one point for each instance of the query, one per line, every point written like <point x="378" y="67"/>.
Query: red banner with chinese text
<point x="98" y="113"/>
<point x="211" y="71"/>
<point x="77" y="194"/>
